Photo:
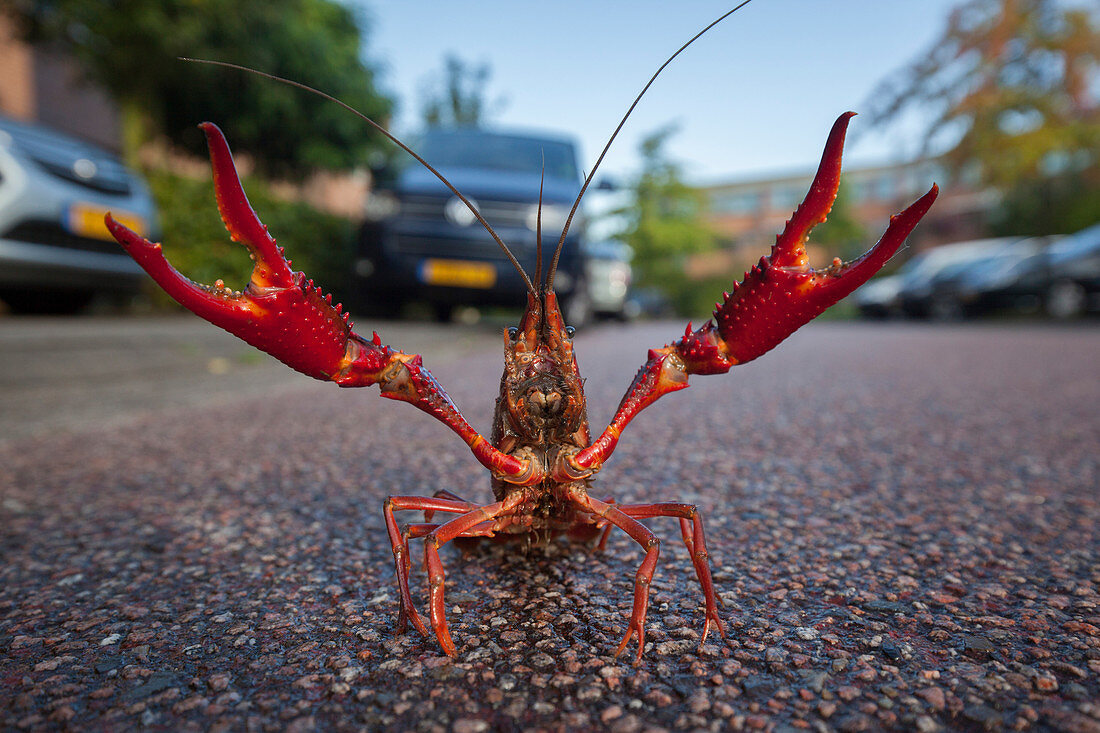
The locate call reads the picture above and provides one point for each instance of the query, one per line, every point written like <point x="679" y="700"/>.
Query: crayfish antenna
<point x="538" y="226"/>
<point x="615" y="134"/>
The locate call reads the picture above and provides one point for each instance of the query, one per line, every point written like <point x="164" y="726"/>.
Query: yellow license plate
<point x="86" y="220"/>
<point x="458" y="273"/>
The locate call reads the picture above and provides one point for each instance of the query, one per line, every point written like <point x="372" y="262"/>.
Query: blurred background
<point x="998" y="101"/>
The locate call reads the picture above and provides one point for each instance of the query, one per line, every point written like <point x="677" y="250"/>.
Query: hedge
<point x="196" y="243"/>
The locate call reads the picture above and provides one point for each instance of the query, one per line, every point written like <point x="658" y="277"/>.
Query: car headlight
<point x="618" y="279"/>
<point x="553" y="217"/>
<point x="381" y="205"/>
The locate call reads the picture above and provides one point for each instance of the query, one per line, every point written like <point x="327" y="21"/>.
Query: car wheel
<point x="872" y="313"/>
<point x="381" y="307"/>
<point x="443" y="312"/>
<point x="1066" y="299"/>
<point x="945" y="308"/>
<point x="47" y="302"/>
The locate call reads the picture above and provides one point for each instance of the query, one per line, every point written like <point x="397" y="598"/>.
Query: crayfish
<point x="541" y="454"/>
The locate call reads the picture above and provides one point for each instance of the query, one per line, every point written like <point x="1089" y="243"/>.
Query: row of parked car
<point x="419" y="242"/>
<point x="1059" y="276"/>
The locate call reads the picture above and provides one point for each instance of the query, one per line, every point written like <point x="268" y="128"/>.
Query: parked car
<point x="55" y="252"/>
<point x="649" y="303"/>
<point x="1073" y="274"/>
<point x="420" y="242"/>
<point x="878" y="298"/>
<point x="608" y="275"/>
<point x="1012" y="278"/>
<point x="916" y="296"/>
<point x="1060" y="275"/>
<point x="907" y="292"/>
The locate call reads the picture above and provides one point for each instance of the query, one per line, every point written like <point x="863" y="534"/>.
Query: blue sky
<point x="756" y="95"/>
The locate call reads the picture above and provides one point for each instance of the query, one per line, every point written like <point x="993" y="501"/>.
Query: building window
<point x="738" y="202"/>
<point x="786" y="196"/>
<point x="884" y="188"/>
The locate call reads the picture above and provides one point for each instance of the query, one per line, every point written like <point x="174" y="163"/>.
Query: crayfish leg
<point x="642" y="578"/>
<point x="399" y="542"/>
<point x="478" y="522"/>
<point x="445" y="494"/>
<point x="691" y="530"/>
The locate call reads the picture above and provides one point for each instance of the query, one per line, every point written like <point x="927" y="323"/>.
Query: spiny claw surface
<point x="782" y="292"/>
<point x="778" y="296"/>
<point x="279" y="311"/>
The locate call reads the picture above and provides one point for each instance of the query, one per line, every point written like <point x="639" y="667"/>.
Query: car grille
<point x="43" y="232"/>
<point x="447" y="247"/>
<point x="105" y="181"/>
<point x="497" y="213"/>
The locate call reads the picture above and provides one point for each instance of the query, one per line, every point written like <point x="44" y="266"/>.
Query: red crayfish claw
<point x="782" y="292"/>
<point x="286" y="315"/>
<point x="778" y="296"/>
<point x="279" y="311"/>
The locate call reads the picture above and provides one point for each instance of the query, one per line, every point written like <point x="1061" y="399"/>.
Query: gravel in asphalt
<point x="902" y="523"/>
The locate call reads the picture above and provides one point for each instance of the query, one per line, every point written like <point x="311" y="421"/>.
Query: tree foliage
<point x="665" y="222"/>
<point x="131" y="47"/>
<point x="1014" y="84"/>
<point x="320" y="244"/>
<point x="458" y="97"/>
<point x="842" y="234"/>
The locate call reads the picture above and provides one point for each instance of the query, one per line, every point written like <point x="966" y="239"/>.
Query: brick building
<point x="39" y="85"/>
<point x="747" y="214"/>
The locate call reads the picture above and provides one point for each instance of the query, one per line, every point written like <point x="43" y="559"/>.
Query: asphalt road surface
<point x="66" y="373"/>
<point x="902" y="521"/>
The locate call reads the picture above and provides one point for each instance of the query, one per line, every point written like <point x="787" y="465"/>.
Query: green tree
<point x="665" y="224"/>
<point x="459" y="96"/>
<point x="131" y="47"/>
<point x="1013" y="83"/>
<point x="842" y="235"/>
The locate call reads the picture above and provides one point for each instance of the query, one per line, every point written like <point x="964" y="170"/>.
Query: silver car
<point x="55" y="252"/>
<point x="608" y="274"/>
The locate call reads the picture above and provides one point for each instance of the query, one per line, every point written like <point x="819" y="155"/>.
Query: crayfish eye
<point x="512" y="331"/>
<point x="569" y="331"/>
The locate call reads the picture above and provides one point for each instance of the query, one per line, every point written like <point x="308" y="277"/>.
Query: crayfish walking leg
<point x="478" y="522"/>
<point x="399" y="541"/>
<point x="696" y="544"/>
<point x="652" y="546"/>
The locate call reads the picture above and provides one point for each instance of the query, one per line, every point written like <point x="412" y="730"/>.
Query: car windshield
<point x="1002" y="263"/>
<point x="954" y="268"/>
<point x="935" y="262"/>
<point x="925" y="265"/>
<point x="1076" y="244"/>
<point x="508" y="153"/>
